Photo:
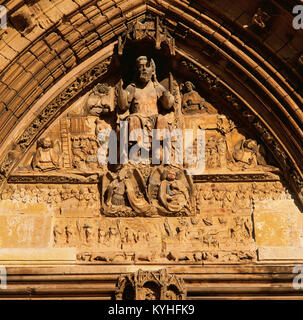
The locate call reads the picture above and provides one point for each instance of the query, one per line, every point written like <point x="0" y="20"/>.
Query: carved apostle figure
<point x="192" y="101"/>
<point x="140" y="100"/>
<point x="212" y="155"/>
<point x="113" y="237"/>
<point x="47" y="156"/>
<point x="222" y="150"/>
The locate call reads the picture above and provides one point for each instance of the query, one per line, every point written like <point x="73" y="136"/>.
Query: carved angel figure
<point x="47" y="156"/>
<point x="116" y="191"/>
<point x="171" y="192"/>
<point x="125" y="193"/>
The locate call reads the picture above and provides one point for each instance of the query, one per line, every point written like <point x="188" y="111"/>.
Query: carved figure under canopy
<point x="47" y="156"/>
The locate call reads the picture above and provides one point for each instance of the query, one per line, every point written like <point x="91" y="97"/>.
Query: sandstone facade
<point x="74" y="72"/>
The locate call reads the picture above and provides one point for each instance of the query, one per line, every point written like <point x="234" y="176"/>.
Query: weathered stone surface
<point x="280" y="253"/>
<point x="62" y="203"/>
<point x="26" y="231"/>
<point x="37" y="256"/>
<point x="276" y="228"/>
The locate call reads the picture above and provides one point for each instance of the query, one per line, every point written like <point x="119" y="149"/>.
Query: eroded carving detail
<point x="126" y="194"/>
<point x="192" y="102"/>
<point x="47" y="156"/>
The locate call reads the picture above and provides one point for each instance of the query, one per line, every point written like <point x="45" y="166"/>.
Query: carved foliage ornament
<point x="147" y="285"/>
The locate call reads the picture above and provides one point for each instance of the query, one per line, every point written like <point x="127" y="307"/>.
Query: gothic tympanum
<point x="146" y="213"/>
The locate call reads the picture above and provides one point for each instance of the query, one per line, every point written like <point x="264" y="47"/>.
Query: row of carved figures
<point x="222" y="195"/>
<point x="239" y="230"/>
<point x="53" y="195"/>
<point x="236" y="196"/>
<point x="244" y="155"/>
<point x="108" y="236"/>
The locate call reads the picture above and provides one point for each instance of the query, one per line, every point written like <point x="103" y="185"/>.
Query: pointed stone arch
<point x="220" y="58"/>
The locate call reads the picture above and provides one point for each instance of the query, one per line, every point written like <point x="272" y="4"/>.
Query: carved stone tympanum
<point x="116" y="191"/>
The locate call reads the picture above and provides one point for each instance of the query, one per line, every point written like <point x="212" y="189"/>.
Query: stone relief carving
<point x="54" y="196"/>
<point x="238" y="196"/>
<point x="100" y="100"/>
<point x="24" y="141"/>
<point x="171" y="240"/>
<point x="192" y="102"/>
<point x="152" y="29"/>
<point x="139" y="104"/>
<point x="260" y="18"/>
<point x="47" y="156"/>
<point x="171" y="191"/>
<point x="125" y="194"/>
<point x="84" y="152"/>
<point x="247" y="154"/>
<point x="146" y="213"/>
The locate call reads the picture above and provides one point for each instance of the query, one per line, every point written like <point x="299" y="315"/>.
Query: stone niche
<point x="150" y="285"/>
<point x="64" y="204"/>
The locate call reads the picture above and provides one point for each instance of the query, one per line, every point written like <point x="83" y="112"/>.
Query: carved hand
<point x="122" y="96"/>
<point x="167" y="100"/>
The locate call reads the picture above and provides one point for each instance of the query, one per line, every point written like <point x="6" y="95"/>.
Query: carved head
<point x="251" y="145"/>
<point x="189" y="86"/>
<point x="171" y="175"/>
<point x="46" y="143"/>
<point x="145" y="69"/>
